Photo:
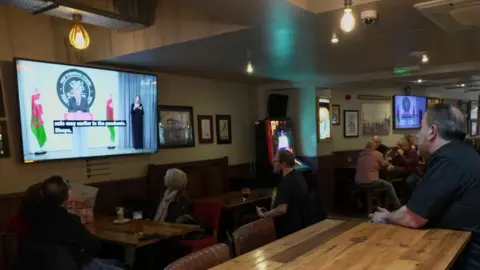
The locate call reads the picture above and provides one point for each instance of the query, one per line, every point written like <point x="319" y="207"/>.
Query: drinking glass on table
<point x="245" y="193"/>
<point x="120" y="213"/>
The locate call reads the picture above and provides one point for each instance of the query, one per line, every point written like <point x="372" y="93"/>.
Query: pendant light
<point x="78" y="35"/>
<point x="348" y="20"/>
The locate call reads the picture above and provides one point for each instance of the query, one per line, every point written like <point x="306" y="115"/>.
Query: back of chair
<point x="207" y="212"/>
<point x="203" y="259"/>
<point x="253" y="235"/>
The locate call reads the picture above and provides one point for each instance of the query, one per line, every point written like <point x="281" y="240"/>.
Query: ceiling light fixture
<point x="78" y="36"/>
<point x="348" y="20"/>
<point x="249" y="68"/>
<point x="462" y="85"/>
<point x="425" y="59"/>
<point x="334" y="39"/>
<point x="419" y="81"/>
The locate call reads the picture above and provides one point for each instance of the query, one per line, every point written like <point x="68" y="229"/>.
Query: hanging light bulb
<point x="249" y="68"/>
<point x="425" y="59"/>
<point x="78" y="35"/>
<point x="348" y="21"/>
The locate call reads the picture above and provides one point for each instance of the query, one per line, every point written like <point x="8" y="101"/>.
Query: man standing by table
<point x="291" y="203"/>
<point x="448" y="197"/>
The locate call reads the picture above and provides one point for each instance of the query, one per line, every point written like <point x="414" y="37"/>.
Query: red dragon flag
<point x="37" y="119"/>
<point x="110" y="118"/>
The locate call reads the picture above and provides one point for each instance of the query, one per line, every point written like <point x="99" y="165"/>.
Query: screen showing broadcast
<point x="408" y="111"/>
<point x="280" y="137"/>
<point x="71" y="112"/>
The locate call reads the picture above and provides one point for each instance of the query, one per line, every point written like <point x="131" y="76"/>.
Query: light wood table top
<point x="235" y="198"/>
<point x="127" y="234"/>
<point x="340" y="244"/>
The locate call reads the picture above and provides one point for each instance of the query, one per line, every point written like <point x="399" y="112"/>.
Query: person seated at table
<point x="291" y="204"/>
<point x="175" y="206"/>
<point x="53" y="226"/>
<point x="367" y="174"/>
<point x="448" y="197"/>
<point x="382" y="148"/>
<point x="19" y="224"/>
<point x="406" y="165"/>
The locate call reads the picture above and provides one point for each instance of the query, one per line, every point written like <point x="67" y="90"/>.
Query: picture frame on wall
<point x="324" y="116"/>
<point x="223" y="125"/>
<point x="205" y="129"/>
<point x="335" y="114"/>
<point x="351" y="124"/>
<point x="175" y="127"/>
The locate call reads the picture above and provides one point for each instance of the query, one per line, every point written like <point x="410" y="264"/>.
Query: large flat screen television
<point x="69" y="112"/>
<point x="408" y="111"/>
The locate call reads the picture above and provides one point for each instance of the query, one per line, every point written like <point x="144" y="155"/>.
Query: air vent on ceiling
<point x="121" y="14"/>
<point x="452" y="15"/>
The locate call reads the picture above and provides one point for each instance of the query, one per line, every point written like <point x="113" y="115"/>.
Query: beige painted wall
<point x="41" y="37"/>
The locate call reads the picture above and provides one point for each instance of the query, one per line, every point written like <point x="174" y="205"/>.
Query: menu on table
<point x="3" y="140"/>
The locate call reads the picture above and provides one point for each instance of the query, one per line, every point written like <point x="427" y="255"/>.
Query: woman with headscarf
<point x="175" y="203"/>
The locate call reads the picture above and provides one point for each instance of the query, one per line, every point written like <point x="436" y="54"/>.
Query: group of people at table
<point x="447" y="197"/>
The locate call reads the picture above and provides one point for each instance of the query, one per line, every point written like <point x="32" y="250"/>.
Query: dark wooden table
<point x="127" y="234"/>
<point x="341" y="244"/>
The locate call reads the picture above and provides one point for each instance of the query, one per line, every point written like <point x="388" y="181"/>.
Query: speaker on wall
<point x="277" y="106"/>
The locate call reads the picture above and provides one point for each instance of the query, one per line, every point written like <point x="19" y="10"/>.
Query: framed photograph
<point x="431" y="101"/>
<point x="175" y="126"/>
<point x="205" y="129"/>
<point x="224" y="129"/>
<point x="324" y="116"/>
<point x="335" y="114"/>
<point x="350" y="124"/>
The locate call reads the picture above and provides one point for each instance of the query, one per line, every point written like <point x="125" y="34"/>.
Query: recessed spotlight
<point x="425" y="59"/>
<point x="419" y="81"/>
<point x="462" y="85"/>
<point x="334" y="39"/>
<point x="249" y="68"/>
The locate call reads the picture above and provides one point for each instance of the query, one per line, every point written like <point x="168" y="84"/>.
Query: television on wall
<point x="408" y="111"/>
<point x="71" y="112"/>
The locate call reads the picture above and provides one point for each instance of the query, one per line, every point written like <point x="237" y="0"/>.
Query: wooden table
<point x="340" y="244"/>
<point x="127" y="234"/>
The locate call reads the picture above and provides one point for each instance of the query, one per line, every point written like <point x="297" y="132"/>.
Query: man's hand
<point x="400" y="152"/>
<point x="260" y="212"/>
<point x="382" y="216"/>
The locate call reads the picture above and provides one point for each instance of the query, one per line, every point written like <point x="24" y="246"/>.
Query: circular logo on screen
<point x="75" y="90"/>
<point x="406" y="104"/>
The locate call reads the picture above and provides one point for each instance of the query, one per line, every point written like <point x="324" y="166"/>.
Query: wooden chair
<point x="203" y="259"/>
<point x="253" y="235"/>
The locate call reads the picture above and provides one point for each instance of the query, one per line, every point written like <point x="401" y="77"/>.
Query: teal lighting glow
<point x="306" y="121"/>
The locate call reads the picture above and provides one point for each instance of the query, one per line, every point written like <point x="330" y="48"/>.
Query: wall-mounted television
<point x="70" y="112"/>
<point x="408" y="111"/>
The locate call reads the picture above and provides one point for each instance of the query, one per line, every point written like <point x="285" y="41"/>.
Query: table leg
<point x="129" y="256"/>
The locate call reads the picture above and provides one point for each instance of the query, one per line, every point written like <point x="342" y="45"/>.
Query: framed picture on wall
<point x="175" y="126"/>
<point x="205" y="129"/>
<point x="431" y="101"/>
<point x="324" y="114"/>
<point x="350" y="124"/>
<point x="224" y="128"/>
<point x="335" y="114"/>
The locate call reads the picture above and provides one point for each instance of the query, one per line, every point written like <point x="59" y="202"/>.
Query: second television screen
<point x="408" y="111"/>
<point x="79" y="112"/>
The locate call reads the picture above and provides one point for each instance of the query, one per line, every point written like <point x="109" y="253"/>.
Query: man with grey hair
<point x="448" y="196"/>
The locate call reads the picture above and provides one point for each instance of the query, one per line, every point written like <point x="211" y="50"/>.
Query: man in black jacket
<point x="53" y="226"/>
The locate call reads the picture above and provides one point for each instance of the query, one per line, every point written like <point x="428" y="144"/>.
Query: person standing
<point x="137" y="123"/>
<point x="448" y="197"/>
<point x="367" y="173"/>
<point x="290" y="205"/>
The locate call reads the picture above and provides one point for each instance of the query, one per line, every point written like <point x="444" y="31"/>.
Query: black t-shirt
<point x="292" y="191"/>
<point x="449" y="196"/>
<point x="382" y="148"/>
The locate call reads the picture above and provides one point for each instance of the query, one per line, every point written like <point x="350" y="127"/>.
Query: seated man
<point x="406" y="164"/>
<point x="369" y="164"/>
<point x="53" y="226"/>
<point x="382" y="148"/>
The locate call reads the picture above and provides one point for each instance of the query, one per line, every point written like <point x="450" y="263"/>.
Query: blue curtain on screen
<point x="145" y="86"/>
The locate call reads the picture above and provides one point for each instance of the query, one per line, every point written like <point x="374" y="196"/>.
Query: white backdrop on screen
<point x="45" y="78"/>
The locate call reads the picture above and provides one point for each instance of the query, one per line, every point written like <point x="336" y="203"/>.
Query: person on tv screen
<point x="137" y="123"/>
<point x="78" y="103"/>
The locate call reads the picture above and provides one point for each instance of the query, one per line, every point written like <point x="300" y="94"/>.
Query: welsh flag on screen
<point x="37" y="119"/>
<point x="110" y="118"/>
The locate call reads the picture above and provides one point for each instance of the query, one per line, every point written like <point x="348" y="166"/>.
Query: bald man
<point x="448" y="197"/>
<point x="382" y="148"/>
<point x="367" y="173"/>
